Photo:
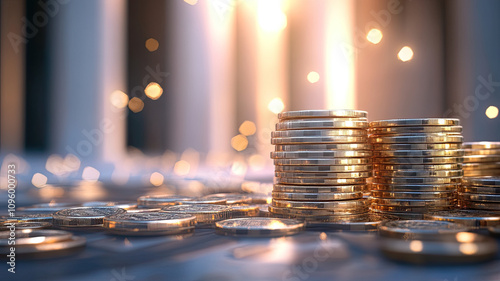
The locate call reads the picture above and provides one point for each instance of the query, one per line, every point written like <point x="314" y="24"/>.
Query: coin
<point x="416" y="146"/>
<point x="268" y="227"/>
<point x="322" y="114"/>
<point x="479" y="197"/>
<point x="482" y="151"/>
<point x="416" y="122"/>
<point x="33" y="236"/>
<point x="327" y="123"/>
<point x="419" y="160"/>
<point x="492" y="206"/>
<point x="415" y="180"/>
<point x="465" y="247"/>
<point x="484" y="181"/>
<point x="204" y="213"/>
<point x="481" y="166"/>
<point x="244" y="210"/>
<point x="84" y="216"/>
<point x="317" y="196"/>
<point x="143" y="210"/>
<point x="321" y="162"/>
<point x="415" y="129"/>
<point x="419" y="229"/>
<point x="366" y="223"/>
<point x="161" y="200"/>
<point x="413" y="202"/>
<point x="29" y="217"/>
<point x="481" y="158"/>
<point x="348" y="181"/>
<point x="410" y="209"/>
<point x="123" y="205"/>
<point x="397" y="167"/>
<point x="323" y="147"/>
<point x="414" y="187"/>
<point x="469" y="218"/>
<point x="318" y="213"/>
<point x="397" y="215"/>
<point x="480" y="190"/>
<point x="481" y="173"/>
<point x="482" y="145"/>
<point x="260" y="198"/>
<point x="323" y="169"/>
<point x="205" y="200"/>
<point x="318" y="189"/>
<point x="319" y="133"/>
<point x="149" y="223"/>
<point x="320" y="154"/>
<point x="411" y="195"/>
<point x="323" y="175"/>
<point x="419" y="153"/>
<point x="347" y="204"/>
<point x="319" y="140"/>
<point x="230" y="198"/>
<point x="424" y="138"/>
<point x="73" y="243"/>
<point x="13" y="225"/>
<point x="419" y="173"/>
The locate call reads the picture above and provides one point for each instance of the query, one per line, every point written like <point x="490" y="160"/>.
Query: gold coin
<point x="300" y="114"/>
<point x="323" y="162"/>
<point x="482" y="145"/>
<point x="317" y="196"/>
<point x="482" y="173"/>
<point x="322" y="147"/>
<point x="346" y="204"/>
<point x="429" y="167"/>
<point x="470" y="218"/>
<point x="485" y="181"/>
<point x="204" y="213"/>
<point x="415" y="129"/>
<point x="244" y="210"/>
<point x="320" y="154"/>
<point x="319" y="133"/>
<point x="418" y="161"/>
<point x="416" y="122"/>
<point x="413" y="202"/>
<point x="494" y="198"/>
<point x="323" y="175"/>
<point x="479" y="189"/>
<point x="416" y="146"/>
<point x="419" y="173"/>
<point x="319" y="140"/>
<point x="317" y="213"/>
<point x="230" y="198"/>
<point x="491" y="206"/>
<point x="259" y="227"/>
<point x="328" y="123"/>
<point x="323" y="169"/>
<point x="419" y="153"/>
<point x="411" y="209"/>
<point x="388" y="215"/>
<point x="424" y="138"/>
<point x="482" y="151"/>
<point x="319" y="188"/>
<point x="481" y="158"/>
<point x="412" y="195"/>
<point x="315" y="181"/>
<point x="434" y="180"/>
<point x="419" y="229"/>
<point x="415" y="187"/>
<point x="481" y="166"/>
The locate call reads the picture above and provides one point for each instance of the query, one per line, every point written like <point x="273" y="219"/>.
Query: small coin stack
<point x="481" y="159"/>
<point x="417" y="165"/>
<point x="322" y="159"/>
<point x="481" y="193"/>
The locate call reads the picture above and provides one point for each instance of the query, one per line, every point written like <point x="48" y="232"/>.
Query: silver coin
<point x="428" y="167"/>
<point x="303" y="181"/>
<point x="418" y="161"/>
<point x="320" y="154"/>
<point x="204" y="213"/>
<point x="149" y="223"/>
<point x="415" y="180"/>
<point x="268" y="227"/>
<point x="318" y="189"/>
<point x="161" y="200"/>
<point x="84" y="216"/>
<point x="482" y="145"/>
<point x="416" y="122"/>
<point x="414" y="129"/>
<point x="420" y="153"/>
<point x="317" y="196"/>
<point x="322" y="147"/>
<point x="424" y="138"/>
<point x="483" y="181"/>
<point x="301" y="114"/>
<point x="416" y="146"/>
<point x="468" y="218"/>
<point x="322" y="162"/>
<point x="323" y="175"/>
<point x="419" y="229"/>
<point x="230" y="198"/>
<point x="323" y="169"/>
<point x="33" y="237"/>
<point x="415" y="187"/>
<point x="411" y="195"/>
<point x="318" y="123"/>
<point x="319" y="140"/>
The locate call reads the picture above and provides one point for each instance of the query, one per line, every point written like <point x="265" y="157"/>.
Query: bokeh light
<point x="405" y="54"/>
<point x="247" y="128"/>
<point x="152" y="44"/>
<point x="276" y="105"/>
<point x="313" y="77"/>
<point x="136" y="104"/>
<point x="374" y="36"/>
<point x="153" y="91"/>
<point x="239" y="142"/>
<point x="118" y="99"/>
<point x="492" y="112"/>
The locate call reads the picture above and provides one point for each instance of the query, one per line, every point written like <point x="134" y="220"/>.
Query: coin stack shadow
<point x="417" y="165"/>
<point x="481" y="159"/>
<point x="480" y="193"/>
<point x="322" y="160"/>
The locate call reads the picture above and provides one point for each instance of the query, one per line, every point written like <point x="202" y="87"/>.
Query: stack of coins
<point x="481" y="193"/>
<point x="149" y="223"/>
<point x="417" y="165"/>
<point x="482" y="159"/>
<point x="322" y="160"/>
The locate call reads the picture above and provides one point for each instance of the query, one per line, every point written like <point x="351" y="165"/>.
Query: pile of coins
<point x="480" y="193"/>
<point x="481" y="159"/>
<point x="417" y="165"/>
<point x="322" y="160"/>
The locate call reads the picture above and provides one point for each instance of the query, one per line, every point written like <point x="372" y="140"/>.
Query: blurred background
<point x="183" y="94"/>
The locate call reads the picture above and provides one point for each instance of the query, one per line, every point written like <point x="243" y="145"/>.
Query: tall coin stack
<point x="417" y="165"/>
<point x="482" y="159"/>
<point x="481" y="193"/>
<point x="322" y="159"/>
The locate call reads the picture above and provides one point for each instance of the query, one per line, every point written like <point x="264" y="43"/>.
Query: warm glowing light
<point x="152" y="44"/>
<point x="182" y="168"/>
<point x="118" y="99"/>
<point x="153" y="91"/>
<point x="276" y="224"/>
<point x="468" y="248"/>
<point x="136" y="105"/>
<point x="156" y="179"/>
<point x="71" y="162"/>
<point x="49" y="192"/>
<point x="270" y="15"/>
<point x="247" y="128"/>
<point x="54" y="165"/>
<point x="405" y="54"/>
<point x="416" y="246"/>
<point x="313" y="77"/>
<point x="239" y="168"/>
<point x="257" y="162"/>
<point x="39" y="180"/>
<point x="90" y="174"/>
<point x="276" y="105"/>
<point x="191" y="2"/>
<point x="322" y="236"/>
<point x="239" y="142"/>
<point x="374" y="36"/>
<point x="492" y="112"/>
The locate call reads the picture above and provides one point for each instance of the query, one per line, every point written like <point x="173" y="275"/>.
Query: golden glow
<point x="247" y="128"/>
<point x="54" y="165"/>
<point x="136" y="105"/>
<point x="276" y="105"/>
<point x="239" y="168"/>
<point x="156" y="179"/>
<point x="90" y="174"/>
<point x="39" y="180"/>
<point x="118" y="99"/>
<point x="239" y="142"/>
<point x="152" y="44"/>
<point x="313" y="77"/>
<point x="416" y="246"/>
<point x="492" y="112"/>
<point x="191" y="2"/>
<point x="50" y="192"/>
<point x="468" y="248"/>
<point x="405" y="54"/>
<point x="276" y="224"/>
<point x="270" y="15"/>
<point x="374" y="36"/>
<point x="182" y="168"/>
<point x="322" y="236"/>
<point x="153" y="90"/>
<point x="257" y="162"/>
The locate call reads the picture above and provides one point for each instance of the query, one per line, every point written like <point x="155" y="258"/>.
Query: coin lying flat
<point x="415" y="187"/>
<point x="230" y="198"/>
<point x="323" y="147"/>
<point x="319" y="181"/>
<point x="319" y="123"/>
<point x="75" y="242"/>
<point x="365" y="223"/>
<point x="259" y="227"/>
<point x="411" y="209"/>
<point x="245" y="210"/>
<point x="415" y="180"/>
<point x="415" y="129"/>
<point x="19" y="225"/>
<point x="84" y="216"/>
<point x="319" y="139"/>
<point x="479" y="197"/>
<point x="481" y="166"/>
<point x="483" y="181"/>
<point x="482" y="152"/>
<point x="320" y="154"/>
<point x="480" y="190"/>
<point x="469" y="218"/>
<point x="323" y="169"/>
<point x="341" y="175"/>
<point x="318" y="189"/>
<point x="481" y="158"/>
<point x="419" y="173"/>
<point x="465" y="247"/>
<point x="416" y="122"/>
<point x="492" y="206"/>
<point x="34" y="236"/>
<point x="204" y="213"/>
<point x="418" y="160"/>
<point x="391" y="215"/>
<point x="424" y="138"/>
<point x="161" y="200"/>
<point x="317" y="196"/>
<point x="320" y="162"/>
<point x="29" y="217"/>
<point x="416" y="146"/>
<point x="420" y="153"/>
<point x="317" y="213"/>
<point x="411" y="195"/>
<point x="348" y="204"/>
<point x="319" y="133"/>
<point x="300" y="114"/>
<point x="419" y="229"/>
<point x="430" y="167"/>
<point x="149" y="223"/>
<point x="413" y="202"/>
<point x="482" y="145"/>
